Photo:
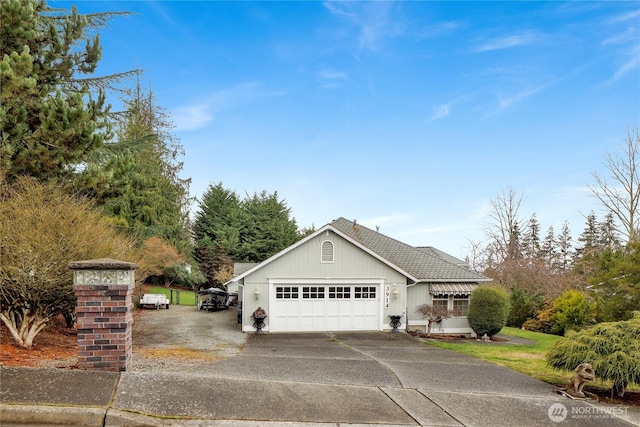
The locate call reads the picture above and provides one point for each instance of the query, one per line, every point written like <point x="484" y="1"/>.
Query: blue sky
<point x="407" y="115"/>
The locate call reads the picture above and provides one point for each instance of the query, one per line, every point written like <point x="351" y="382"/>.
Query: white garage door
<point x="325" y="308"/>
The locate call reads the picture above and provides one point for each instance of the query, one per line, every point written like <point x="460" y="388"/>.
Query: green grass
<point x="186" y="297"/>
<point x="526" y="359"/>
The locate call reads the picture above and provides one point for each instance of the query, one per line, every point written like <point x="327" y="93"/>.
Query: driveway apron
<point x="431" y="386"/>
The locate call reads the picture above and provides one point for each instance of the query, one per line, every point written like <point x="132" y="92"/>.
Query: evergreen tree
<point x="514" y="246"/>
<point x="608" y="233"/>
<point x="615" y="281"/>
<point x="50" y="119"/>
<point x="136" y="179"/>
<point x="216" y="230"/>
<point x="549" y="249"/>
<point x="531" y="239"/>
<point x="589" y="238"/>
<point x="565" y="248"/>
<point x="267" y="227"/>
<point x="228" y="230"/>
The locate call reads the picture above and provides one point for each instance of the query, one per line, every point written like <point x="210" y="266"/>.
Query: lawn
<point x="186" y="297"/>
<point x="526" y="359"/>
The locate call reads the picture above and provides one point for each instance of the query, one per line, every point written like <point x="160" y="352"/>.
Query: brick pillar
<point x="103" y="315"/>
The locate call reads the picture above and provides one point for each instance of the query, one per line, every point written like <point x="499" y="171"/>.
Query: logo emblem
<point x="557" y="412"/>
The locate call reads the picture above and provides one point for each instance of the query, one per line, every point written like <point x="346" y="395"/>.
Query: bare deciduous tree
<point x="42" y="230"/>
<point x="620" y="193"/>
<point x="433" y="314"/>
<point x="504" y="232"/>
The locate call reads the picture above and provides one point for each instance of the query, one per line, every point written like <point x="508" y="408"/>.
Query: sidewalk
<point x="297" y="379"/>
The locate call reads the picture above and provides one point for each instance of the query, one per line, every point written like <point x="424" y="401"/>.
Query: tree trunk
<point x="25" y="327"/>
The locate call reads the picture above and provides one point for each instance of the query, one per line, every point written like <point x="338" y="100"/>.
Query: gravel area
<point x="184" y="338"/>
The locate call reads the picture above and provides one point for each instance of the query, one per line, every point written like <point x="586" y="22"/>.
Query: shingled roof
<point x="427" y="265"/>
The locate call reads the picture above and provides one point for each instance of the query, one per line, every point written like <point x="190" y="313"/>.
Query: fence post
<point x="103" y="288"/>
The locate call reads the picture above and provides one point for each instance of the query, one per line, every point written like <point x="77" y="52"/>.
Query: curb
<point x="52" y="415"/>
<point x="16" y="415"/>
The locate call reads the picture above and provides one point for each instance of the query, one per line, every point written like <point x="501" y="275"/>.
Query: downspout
<point x="406" y="309"/>
<point x="241" y="308"/>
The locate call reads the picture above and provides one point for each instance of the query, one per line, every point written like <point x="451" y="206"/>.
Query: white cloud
<point x="507" y="42"/>
<point x="440" y="111"/>
<point x="624" y="17"/>
<point x="443" y="110"/>
<point x="372" y="20"/>
<point x="632" y="62"/>
<point x="198" y="115"/>
<point x="192" y="117"/>
<point x="508" y="101"/>
<point x="329" y="74"/>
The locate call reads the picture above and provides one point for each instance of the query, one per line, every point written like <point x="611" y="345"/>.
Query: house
<point x="346" y="277"/>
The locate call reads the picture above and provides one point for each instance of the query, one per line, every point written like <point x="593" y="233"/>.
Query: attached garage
<point x="322" y="307"/>
<point x="346" y="277"/>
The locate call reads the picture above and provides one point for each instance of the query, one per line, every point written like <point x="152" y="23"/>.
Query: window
<point x="460" y="305"/>
<point x="286" y="292"/>
<point x="441" y="303"/>
<point x="327" y="251"/>
<point x="339" y="292"/>
<point x="365" y="292"/>
<point x="313" y="292"/>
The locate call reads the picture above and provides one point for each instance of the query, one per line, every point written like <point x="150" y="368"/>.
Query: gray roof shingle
<point x="425" y="265"/>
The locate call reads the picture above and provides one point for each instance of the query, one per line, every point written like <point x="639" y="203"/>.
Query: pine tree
<point x="565" y="247"/>
<point x="531" y="239"/>
<point x="549" y="249"/>
<point x="589" y="238"/>
<point x="136" y="179"/>
<point x="50" y="120"/>
<point x="608" y="233"/>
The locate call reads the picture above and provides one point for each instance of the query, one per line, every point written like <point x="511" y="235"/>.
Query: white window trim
<point x="333" y="252"/>
<point x="450" y="299"/>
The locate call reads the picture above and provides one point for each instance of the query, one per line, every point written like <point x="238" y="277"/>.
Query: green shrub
<point x="612" y="348"/>
<point x="525" y="305"/>
<point x="572" y="311"/>
<point x="543" y="322"/>
<point x="488" y="310"/>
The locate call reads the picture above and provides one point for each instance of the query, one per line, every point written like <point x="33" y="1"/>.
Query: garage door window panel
<point x="339" y="292"/>
<point x="365" y="292"/>
<point x="313" y="292"/>
<point x="287" y="292"/>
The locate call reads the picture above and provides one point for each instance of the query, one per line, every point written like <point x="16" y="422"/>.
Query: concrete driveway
<point x="315" y="379"/>
<point x="369" y="378"/>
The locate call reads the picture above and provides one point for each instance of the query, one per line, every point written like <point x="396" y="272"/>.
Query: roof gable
<point x="417" y="264"/>
<point x="425" y="265"/>
<point x="244" y="272"/>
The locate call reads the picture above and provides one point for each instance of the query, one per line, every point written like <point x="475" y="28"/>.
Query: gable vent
<point x="327" y="251"/>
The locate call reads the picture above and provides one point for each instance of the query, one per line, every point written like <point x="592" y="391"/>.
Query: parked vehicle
<point x="213" y="299"/>
<point x="154" y="300"/>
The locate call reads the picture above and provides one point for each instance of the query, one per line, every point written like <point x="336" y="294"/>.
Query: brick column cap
<point x="102" y="264"/>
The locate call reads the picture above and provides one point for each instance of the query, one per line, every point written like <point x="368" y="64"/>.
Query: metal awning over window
<point x="452" y="288"/>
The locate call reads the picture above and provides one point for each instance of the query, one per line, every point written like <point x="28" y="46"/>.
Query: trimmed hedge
<point x="488" y="310"/>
